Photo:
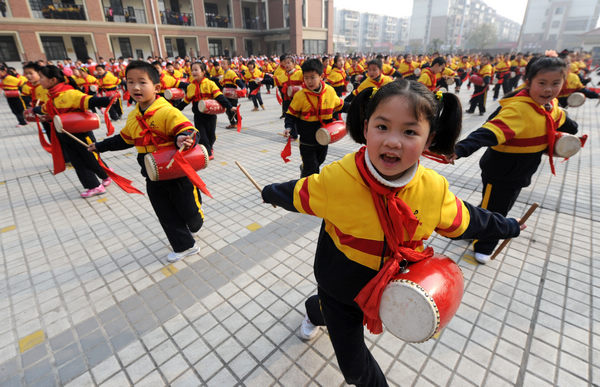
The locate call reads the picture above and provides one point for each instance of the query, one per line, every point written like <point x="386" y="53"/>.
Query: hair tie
<point x="373" y="92"/>
<point x="439" y="95"/>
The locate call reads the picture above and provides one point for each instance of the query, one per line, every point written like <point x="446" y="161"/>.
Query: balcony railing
<point x="218" y="21"/>
<point x="129" y="15"/>
<point x="61" y="11"/>
<point x="254" y="24"/>
<point x="176" y="18"/>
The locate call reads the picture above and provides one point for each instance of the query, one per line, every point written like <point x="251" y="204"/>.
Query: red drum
<point x="291" y="90"/>
<point x="11" y="93"/>
<point x="29" y="115"/>
<point x="160" y="165"/>
<point x="76" y="122"/>
<point x="576" y="99"/>
<point x="232" y="93"/>
<point x="476" y="80"/>
<point x="112" y="93"/>
<point x="422" y="300"/>
<point x="331" y="132"/>
<point x="174" y="94"/>
<point x="210" y="106"/>
<point x="417" y="72"/>
<point x="93" y="88"/>
<point x="566" y="145"/>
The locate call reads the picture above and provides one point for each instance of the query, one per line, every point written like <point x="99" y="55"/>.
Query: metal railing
<point x="125" y="15"/>
<point x="176" y="18"/>
<point x="61" y="11"/>
<point x="218" y="21"/>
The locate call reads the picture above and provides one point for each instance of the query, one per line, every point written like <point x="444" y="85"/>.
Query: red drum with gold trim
<point x="330" y="133"/>
<point x="160" y="165"/>
<point x="112" y="93"/>
<point x="291" y="90"/>
<point x="210" y="106"/>
<point x="476" y="80"/>
<point x="11" y="93"/>
<point x="576" y="99"/>
<point x="29" y="115"/>
<point x="76" y="122"/>
<point x="566" y="145"/>
<point x="422" y="300"/>
<point x="232" y="93"/>
<point x="173" y="94"/>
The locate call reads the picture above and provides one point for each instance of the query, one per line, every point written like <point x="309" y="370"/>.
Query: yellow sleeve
<point x="214" y="89"/>
<point x="130" y="126"/>
<point x="506" y="124"/>
<point x="176" y="122"/>
<point x="310" y="193"/>
<point x="190" y="93"/>
<point x="72" y="99"/>
<point x="297" y="104"/>
<point x="424" y="79"/>
<point x="454" y="215"/>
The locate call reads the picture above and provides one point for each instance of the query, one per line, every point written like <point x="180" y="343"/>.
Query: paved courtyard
<point x="87" y="297"/>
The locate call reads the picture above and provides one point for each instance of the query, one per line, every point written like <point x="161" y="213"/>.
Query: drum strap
<point x="397" y="220"/>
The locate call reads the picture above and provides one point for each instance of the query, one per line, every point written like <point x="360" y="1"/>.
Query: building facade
<point x="447" y="24"/>
<point x="48" y="29"/>
<point x="556" y="25"/>
<point x="367" y="32"/>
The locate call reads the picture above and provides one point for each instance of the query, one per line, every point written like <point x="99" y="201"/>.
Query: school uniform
<point x="337" y="79"/>
<point x="480" y="92"/>
<point x="16" y="104"/>
<point x="250" y="77"/>
<point x="407" y="70"/>
<point x="285" y="80"/>
<point x="176" y="202"/>
<point x="378" y="82"/>
<point x="205" y="123"/>
<point x="108" y="82"/>
<point x="573" y="84"/>
<point x="232" y="81"/>
<point x="352" y="247"/>
<point x="502" y="73"/>
<point x="516" y="136"/>
<point x="308" y="111"/>
<point x="429" y="79"/>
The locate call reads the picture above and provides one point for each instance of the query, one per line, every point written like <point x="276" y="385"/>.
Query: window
<point x="304" y="13"/>
<point x="558" y="11"/>
<point x="215" y="47"/>
<point x="54" y="47"/>
<point x="125" y="46"/>
<point x="556" y="24"/>
<point x="313" y="46"/>
<point x="325" y="13"/>
<point x="286" y="13"/>
<point x="169" y="47"/>
<point x="8" y="49"/>
<point x="66" y="9"/>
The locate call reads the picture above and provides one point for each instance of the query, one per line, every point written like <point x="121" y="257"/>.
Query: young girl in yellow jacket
<point x="379" y="204"/>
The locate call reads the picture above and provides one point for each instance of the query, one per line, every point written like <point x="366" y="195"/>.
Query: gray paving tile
<point x="37" y="371"/>
<point x="61" y="340"/>
<point x="71" y="370"/>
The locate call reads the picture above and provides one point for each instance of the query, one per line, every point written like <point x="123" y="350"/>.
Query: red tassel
<point x="47" y="147"/>
<point x="58" y="160"/>
<point x="255" y="91"/>
<point x="123" y="183"/>
<point x="127" y="97"/>
<point x="239" y="119"/>
<point x="190" y="172"/>
<point x="278" y="96"/>
<point x="110" y="129"/>
<point x="583" y="139"/>
<point x="287" y="151"/>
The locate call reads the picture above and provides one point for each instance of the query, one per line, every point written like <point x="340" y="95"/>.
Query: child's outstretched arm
<point x="307" y="195"/>
<point x="113" y="143"/>
<point x="484" y="224"/>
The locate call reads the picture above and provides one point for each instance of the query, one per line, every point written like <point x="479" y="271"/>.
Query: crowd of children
<point x="399" y="107"/>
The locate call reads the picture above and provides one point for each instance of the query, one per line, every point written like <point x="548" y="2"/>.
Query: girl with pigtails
<point x="380" y="204"/>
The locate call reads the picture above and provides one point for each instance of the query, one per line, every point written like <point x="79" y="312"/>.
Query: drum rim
<point x="149" y="159"/>
<point x="205" y="153"/>
<point x="323" y="132"/>
<point x="567" y="139"/>
<point x="577" y="95"/>
<point x="412" y="285"/>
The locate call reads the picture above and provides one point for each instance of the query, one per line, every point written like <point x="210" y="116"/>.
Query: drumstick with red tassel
<point x="251" y="179"/>
<point x="522" y="221"/>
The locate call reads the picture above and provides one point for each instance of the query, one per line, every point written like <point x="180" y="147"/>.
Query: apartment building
<point x="78" y="29"/>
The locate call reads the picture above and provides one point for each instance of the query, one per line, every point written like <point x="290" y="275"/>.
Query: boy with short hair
<point x="311" y="108"/>
<point x="108" y="82"/>
<point x="154" y="124"/>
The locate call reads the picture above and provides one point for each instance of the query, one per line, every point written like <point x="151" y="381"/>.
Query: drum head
<point x="349" y="88"/>
<point x="443" y="89"/>
<point x="93" y="88"/>
<point x="576" y="99"/>
<point x="57" y="123"/>
<point x="450" y="81"/>
<point x="151" y="168"/>
<point x="567" y="146"/>
<point x="323" y="137"/>
<point x="408" y="312"/>
<point x="168" y="94"/>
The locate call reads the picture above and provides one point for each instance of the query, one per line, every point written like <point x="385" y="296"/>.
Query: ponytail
<point x="447" y="125"/>
<point x="355" y="120"/>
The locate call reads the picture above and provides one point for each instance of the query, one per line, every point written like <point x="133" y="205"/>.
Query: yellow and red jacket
<point x="429" y="79"/>
<point x="519" y="128"/>
<point x="167" y="81"/>
<point x="205" y="89"/>
<point x="10" y="82"/>
<point x="164" y="123"/>
<point x="36" y="92"/>
<point x="407" y="69"/>
<point x="369" y="82"/>
<point x="310" y="106"/>
<point x="571" y="85"/>
<point x="108" y="81"/>
<point x="85" y="82"/>
<point x="229" y="78"/>
<point x="64" y="98"/>
<point x="336" y="77"/>
<point x="357" y="69"/>
<point x="252" y="75"/>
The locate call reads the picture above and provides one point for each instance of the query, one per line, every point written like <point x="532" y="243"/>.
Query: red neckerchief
<point x="198" y="91"/>
<point x="399" y="226"/>
<point x="551" y="125"/>
<point x="316" y="110"/>
<point x="148" y="134"/>
<point x="379" y="82"/>
<point x="432" y="79"/>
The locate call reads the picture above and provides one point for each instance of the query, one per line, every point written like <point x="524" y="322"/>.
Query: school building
<point x="34" y="29"/>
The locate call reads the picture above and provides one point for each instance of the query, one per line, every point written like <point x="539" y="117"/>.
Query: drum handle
<point x="522" y="221"/>
<point x="75" y="138"/>
<point x="251" y="179"/>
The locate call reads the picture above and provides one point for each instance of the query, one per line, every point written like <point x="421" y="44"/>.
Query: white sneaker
<point x="174" y="257"/>
<point x="482" y="258"/>
<point x="307" y="330"/>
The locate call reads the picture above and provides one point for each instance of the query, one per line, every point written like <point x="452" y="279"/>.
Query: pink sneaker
<point x="106" y="182"/>
<point x="99" y="190"/>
